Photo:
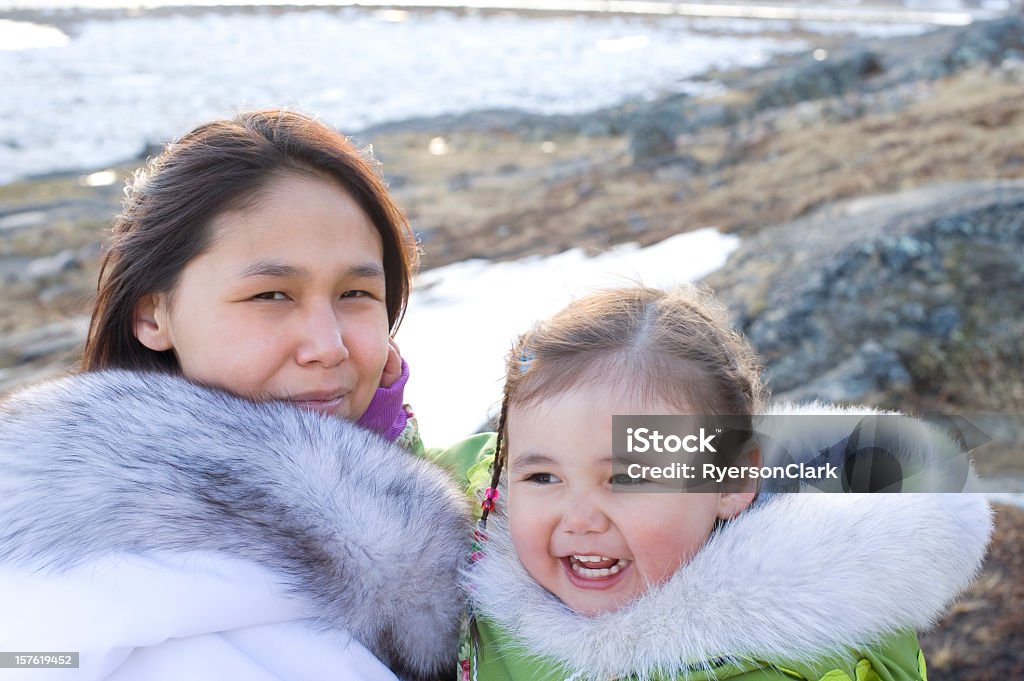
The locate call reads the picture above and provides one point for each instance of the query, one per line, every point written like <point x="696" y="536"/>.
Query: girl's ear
<point x="152" y="322"/>
<point x="731" y="504"/>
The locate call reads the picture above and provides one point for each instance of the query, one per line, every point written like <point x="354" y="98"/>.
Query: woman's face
<point x="287" y="304"/>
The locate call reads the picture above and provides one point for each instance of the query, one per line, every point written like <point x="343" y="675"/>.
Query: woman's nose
<point x="322" y="338"/>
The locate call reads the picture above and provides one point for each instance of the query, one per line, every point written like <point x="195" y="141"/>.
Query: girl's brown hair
<point x="170" y="206"/>
<point x="676" y="347"/>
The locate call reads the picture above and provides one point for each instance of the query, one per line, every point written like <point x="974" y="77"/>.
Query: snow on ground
<point x="463" y="318"/>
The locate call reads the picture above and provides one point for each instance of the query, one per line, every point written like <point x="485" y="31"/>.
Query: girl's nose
<point x="583" y="516"/>
<point x="322" y="338"/>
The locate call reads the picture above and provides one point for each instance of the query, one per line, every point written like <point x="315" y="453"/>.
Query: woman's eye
<point x="355" y="294"/>
<point x="270" y="295"/>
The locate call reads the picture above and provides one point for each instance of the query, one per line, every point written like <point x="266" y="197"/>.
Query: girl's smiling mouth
<point x="593" y="571"/>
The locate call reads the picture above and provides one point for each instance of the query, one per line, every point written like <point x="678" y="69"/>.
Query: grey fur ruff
<point x="126" y="462"/>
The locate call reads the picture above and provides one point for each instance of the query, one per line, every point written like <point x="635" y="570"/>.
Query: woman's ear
<point x="152" y="322"/>
<point x="731" y="504"/>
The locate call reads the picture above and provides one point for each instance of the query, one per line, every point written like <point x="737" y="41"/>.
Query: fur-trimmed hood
<point x="907" y="454"/>
<point x="367" y="538"/>
<point x="795" y="577"/>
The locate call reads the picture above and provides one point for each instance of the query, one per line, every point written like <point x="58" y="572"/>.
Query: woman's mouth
<point x="327" y="405"/>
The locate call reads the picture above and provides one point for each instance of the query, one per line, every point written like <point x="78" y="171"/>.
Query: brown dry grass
<point x="968" y="127"/>
<point x="502" y="195"/>
<point x="981" y="637"/>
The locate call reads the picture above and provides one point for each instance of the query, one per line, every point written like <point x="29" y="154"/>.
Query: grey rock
<point x="943" y="321"/>
<point x="652" y="135"/>
<point x="460" y="182"/>
<point x="52" y="265"/>
<point x="13" y="268"/>
<point x="43" y="341"/>
<point x="871" y="371"/>
<point x="873" y="295"/>
<point x="989" y="42"/>
<point x="22" y="220"/>
<point x="817" y="79"/>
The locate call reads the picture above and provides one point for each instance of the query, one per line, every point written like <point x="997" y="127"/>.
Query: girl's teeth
<point x="577" y="567"/>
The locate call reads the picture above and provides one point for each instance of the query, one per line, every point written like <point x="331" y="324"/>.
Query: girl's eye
<point x="541" y="478"/>
<point x="270" y="295"/>
<point x="355" y="294"/>
<point x="624" y="479"/>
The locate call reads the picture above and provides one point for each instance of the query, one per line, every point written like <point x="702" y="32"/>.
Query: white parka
<point x="168" y="531"/>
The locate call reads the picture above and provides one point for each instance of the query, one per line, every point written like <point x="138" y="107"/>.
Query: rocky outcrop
<point x="879" y="64"/>
<point x="816" y="79"/>
<point x="874" y="298"/>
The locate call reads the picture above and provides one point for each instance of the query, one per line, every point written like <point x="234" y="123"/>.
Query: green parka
<point x="821" y="587"/>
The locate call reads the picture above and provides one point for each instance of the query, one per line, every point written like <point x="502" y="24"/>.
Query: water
<point x="79" y="90"/>
<point x="111" y="86"/>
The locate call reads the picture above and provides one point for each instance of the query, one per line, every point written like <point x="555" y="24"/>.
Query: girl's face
<point x="594" y="548"/>
<point x="287" y="304"/>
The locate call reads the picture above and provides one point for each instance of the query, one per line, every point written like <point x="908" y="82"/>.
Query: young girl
<point x="163" y="528"/>
<point x="576" y="579"/>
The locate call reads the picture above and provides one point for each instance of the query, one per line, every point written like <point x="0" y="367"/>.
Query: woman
<point x="194" y="505"/>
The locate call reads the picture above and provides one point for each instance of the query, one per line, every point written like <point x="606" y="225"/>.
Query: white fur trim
<point x="795" y="577"/>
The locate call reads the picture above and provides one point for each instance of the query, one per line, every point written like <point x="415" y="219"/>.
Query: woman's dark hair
<point x="170" y="206"/>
